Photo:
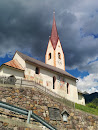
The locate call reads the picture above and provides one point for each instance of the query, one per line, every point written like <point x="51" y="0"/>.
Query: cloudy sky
<point x="25" y="25"/>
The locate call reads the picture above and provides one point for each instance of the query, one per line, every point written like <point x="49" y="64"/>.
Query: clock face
<point x="59" y="62"/>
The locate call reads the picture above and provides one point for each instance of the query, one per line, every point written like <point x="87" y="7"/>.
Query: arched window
<point x="37" y="70"/>
<point x="59" y="55"/>
<point x="49" y="56"/>
<point x="54" y="79"/>
<point x="67" y="88"/>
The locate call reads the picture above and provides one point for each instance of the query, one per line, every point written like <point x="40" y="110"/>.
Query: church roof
<point x="14" y="63"/>
<point x="54" y="34"/>
<point x="43" y="65"/>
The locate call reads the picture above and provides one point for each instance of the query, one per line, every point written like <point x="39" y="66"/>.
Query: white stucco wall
<point x="81" y="99"/>
<point x="49" y="50"/>
<point x="46" y="78"/>
<point x="30" y="69"/>
<point x="55" y="61"/>
<point x="72" y="90"/>
<point x="1" y="72"/>
<point x="20" y="60"/>
<point x="60" y="63"/>
<point x="8" y="71"/>
<point x="72" y="93"/>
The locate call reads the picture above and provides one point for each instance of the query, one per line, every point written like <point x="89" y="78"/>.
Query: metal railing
<point x="27" y="113"/>
<point x="36" y="85"/>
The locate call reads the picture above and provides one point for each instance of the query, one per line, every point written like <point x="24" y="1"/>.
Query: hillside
<point x="95" y="101"/>
<point x="90" y="97"/>
<point x="91" y="103"/>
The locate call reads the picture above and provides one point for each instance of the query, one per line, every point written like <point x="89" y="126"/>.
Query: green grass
<point x="87" y="109"/>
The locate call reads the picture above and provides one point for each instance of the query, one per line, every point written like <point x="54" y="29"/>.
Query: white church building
<point x="50" y="74"/>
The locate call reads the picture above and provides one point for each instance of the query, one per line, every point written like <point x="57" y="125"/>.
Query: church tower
<point x="54" y="53"/>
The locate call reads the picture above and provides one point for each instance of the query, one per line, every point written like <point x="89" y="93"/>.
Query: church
<point x="51" y="74"/>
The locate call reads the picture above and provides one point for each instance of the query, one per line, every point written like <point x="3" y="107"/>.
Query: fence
<point x="28" y="83"/>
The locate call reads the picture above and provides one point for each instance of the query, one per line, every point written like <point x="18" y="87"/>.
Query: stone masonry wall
<point x="38" y="102"/>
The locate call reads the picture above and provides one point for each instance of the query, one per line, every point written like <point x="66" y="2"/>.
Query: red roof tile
<point x="14" y="63"/>
<point x="54" y="34"/>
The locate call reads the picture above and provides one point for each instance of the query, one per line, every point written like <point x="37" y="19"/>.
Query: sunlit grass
<point x="87" y="109"/>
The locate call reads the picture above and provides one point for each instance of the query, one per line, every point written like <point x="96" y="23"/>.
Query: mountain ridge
<point x="90" y="97"/>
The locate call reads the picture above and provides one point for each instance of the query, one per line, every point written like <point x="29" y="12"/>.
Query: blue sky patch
<point x="77" y="73"/>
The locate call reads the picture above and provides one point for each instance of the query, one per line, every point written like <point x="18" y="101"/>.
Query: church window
<point x="37" y="70"/>
<point x="49" y="57"/>
<point x="59" y="55"/>
<point x="54" y="79"/>
<point x="67" y="88"/>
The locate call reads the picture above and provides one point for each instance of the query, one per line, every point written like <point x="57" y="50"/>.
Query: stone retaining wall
<point x="38" y="102"/>
<point x="17" y="124"/>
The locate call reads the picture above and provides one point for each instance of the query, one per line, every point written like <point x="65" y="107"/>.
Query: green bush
<point x="95" y="101"/>
<point x="91" y="105"/>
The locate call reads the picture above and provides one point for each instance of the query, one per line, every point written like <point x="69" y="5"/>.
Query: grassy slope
<point x="87" y="109"/>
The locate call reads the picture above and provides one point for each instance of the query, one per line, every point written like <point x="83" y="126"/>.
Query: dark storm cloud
<point x="23" y="28"/>
<point x="93" y="21"/>
<point x="26" y="25"/>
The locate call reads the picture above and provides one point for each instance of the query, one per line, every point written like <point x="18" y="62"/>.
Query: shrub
<point x="91" y="105"/>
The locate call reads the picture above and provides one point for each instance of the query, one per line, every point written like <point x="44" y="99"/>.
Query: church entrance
<point x="54" y="79"/>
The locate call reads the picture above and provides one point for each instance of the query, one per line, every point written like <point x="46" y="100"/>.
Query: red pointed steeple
<point x="54" y="34"/>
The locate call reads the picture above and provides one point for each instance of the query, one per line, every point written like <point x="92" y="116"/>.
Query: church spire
<point x="54" y="53"/>
<point x="54" y="34"/>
